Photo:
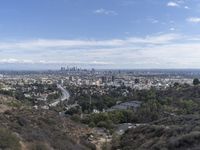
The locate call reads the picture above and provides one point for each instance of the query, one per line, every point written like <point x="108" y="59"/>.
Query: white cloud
<point x="14" y="60"/>
<point x="9" y="60"/>
<point x="68" y="44"/>
<point x="152" y="20"/>
<point x="172" y="4"/>
<point x="105" y="12"/>
<point x="178" y="3"/>
<point x="101" y="63"/>
<point x="193" y="19"/>
<point x="157" y="51"/>
<point x="172" y="29"/>
<point x="44" y="62"/>
<point x="186" y="7"/>
<point x="159" y="39"/>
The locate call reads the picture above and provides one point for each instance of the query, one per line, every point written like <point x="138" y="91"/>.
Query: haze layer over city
<point x="99" y="75"/>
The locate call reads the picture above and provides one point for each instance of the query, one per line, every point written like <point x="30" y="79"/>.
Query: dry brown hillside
<point x="41" y="129"/>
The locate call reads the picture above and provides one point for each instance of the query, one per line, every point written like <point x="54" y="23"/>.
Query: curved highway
<point x="65" y="96"/>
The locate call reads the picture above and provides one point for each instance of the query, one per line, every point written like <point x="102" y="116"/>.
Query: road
<point x="65" y="96"/>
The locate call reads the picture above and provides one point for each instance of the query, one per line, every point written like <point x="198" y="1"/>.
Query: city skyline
<point x="114" y="34"/>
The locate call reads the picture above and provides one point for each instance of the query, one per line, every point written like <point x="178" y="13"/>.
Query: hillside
<point x="169" y="119"/>
<point x="179" y="133"/>
<point x="33" y="130"/>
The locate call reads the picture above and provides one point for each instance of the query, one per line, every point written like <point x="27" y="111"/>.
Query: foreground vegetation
<point x="171" y="120"/>
<point x="40" y="130"/>
<point x="173" y="133"/>
<point x="167" y="119"/>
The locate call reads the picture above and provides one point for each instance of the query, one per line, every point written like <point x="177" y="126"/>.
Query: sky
<point x="104" y="34"/>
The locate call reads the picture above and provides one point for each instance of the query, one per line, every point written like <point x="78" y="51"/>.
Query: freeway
<point x="65" y="96"/>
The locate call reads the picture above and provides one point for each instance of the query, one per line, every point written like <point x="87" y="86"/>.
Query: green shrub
<point x="185" y="140"/>
<point x="102" y="124"/>
<point x="108" y="124"/>
<point x="8" y="140"/>
<point x="38" y="146"/>
<point x="92" y="124"/>
<point x="76" y="118"/>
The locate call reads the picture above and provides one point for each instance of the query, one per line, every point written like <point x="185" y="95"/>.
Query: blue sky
<point x="47" y="34"/>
